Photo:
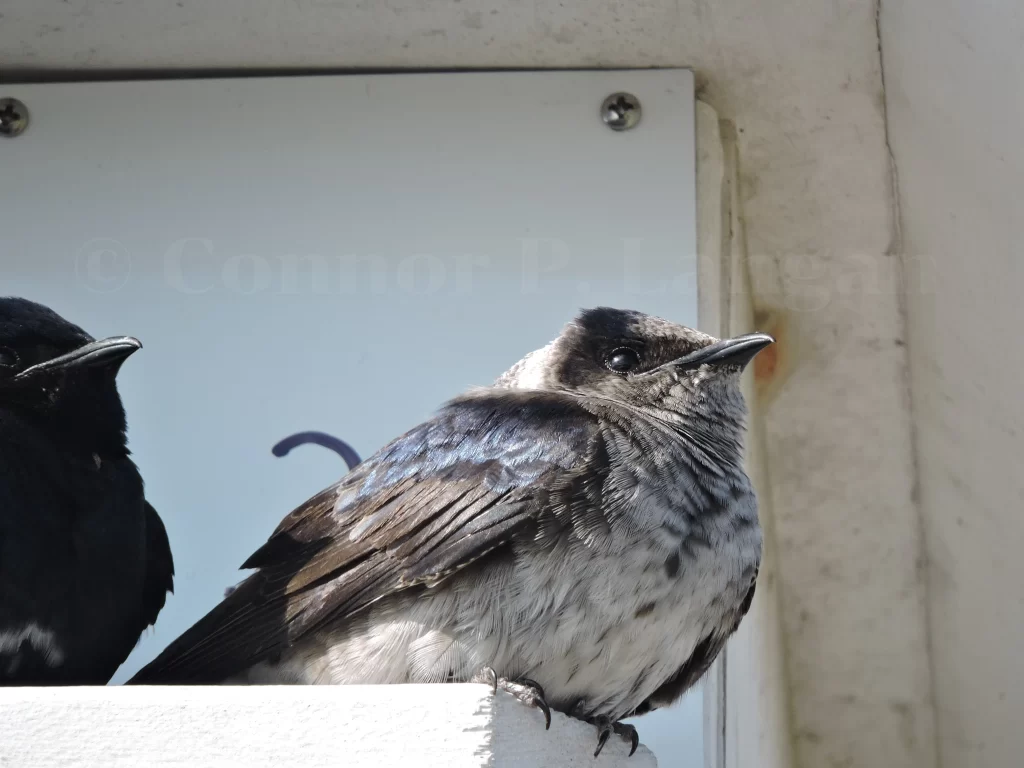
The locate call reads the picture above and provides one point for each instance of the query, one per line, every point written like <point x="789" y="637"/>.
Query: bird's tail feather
<point x="240" y="631"/>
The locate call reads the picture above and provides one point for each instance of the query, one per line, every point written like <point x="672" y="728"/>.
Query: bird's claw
<point x="535" y="696"/>
<point x="606" y="727"/>
<point x="525" y="690"/>
<point x="489" y="676"/>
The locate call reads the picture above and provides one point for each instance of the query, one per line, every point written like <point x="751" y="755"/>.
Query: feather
<point x="435" y="500"/>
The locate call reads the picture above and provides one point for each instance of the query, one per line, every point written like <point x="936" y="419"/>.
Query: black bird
<point x="582" y="533"/>
<point x="85" y="565"/>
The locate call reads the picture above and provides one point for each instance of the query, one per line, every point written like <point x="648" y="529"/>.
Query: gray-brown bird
<point x="582" y="533"/>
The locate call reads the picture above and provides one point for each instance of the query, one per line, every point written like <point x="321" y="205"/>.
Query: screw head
<point x="13" y="117"/>
<point x="621" y="111"/>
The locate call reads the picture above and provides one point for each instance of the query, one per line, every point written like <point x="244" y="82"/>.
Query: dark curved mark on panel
<point x="340" y="447"/>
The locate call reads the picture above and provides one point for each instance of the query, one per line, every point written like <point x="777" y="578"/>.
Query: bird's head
<point x="644" y="361"/>
<point x="54" y="370"/>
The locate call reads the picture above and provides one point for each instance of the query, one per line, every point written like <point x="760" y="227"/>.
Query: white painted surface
<point x="955" y="91"/>
<point x="449" y="726"/>
<point x="487" y="209"/>
<point x="800" y="82"/>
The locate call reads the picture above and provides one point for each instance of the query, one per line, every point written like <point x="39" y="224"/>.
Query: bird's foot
<point x="525" y="690"/>
<point x="606" y="727"/>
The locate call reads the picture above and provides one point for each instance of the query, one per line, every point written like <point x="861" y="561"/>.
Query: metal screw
<point x="621" y="111"/>
<point x="13" y="117"/>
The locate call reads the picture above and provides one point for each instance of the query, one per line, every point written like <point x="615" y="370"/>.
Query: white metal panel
<point x="334" y="253"/>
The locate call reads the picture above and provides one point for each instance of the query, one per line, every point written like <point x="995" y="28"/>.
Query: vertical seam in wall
<point x="725" y="310"/>
<point x="725" y="265"/>
<point x="738" y="240"/>
<point x="770" y="540"/>
<point x="723" y="712"/>
<point x="896" y="249"/>
<point x="710" y="291"/>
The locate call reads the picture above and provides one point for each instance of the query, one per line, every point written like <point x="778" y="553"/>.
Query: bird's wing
<point x="700" y="661"/>
<point x="44" y="581"/>
<point x="59" y="621"/>
<point x="33" y="517"/>
<point x="159" y="579"/>
<point x="438" y="498"/>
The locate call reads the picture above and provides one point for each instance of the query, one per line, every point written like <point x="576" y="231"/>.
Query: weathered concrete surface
<point x="955" y="83"/>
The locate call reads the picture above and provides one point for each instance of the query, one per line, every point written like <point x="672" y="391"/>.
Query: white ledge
<point x="278" y="726"/>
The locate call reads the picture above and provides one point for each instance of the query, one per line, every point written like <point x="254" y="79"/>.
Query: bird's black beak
<point x="738" y="351"/>
<point x="104" y="353"/>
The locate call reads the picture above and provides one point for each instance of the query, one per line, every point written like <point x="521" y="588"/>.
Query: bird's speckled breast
<point x="633" y="618"/>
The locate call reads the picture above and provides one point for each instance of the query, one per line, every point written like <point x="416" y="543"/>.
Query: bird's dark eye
<point x="622" y="360"/>
<point x="8" y="357"/>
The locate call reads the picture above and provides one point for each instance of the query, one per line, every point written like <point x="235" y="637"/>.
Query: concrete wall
<point x="954" y="73"/>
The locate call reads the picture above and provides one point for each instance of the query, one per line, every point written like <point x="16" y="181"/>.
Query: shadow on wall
<point x="339" y="446"/>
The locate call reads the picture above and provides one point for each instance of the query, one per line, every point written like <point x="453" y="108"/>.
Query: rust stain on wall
<point x="772" y="366"/>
